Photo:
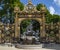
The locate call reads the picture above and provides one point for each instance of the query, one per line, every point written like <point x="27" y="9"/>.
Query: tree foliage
<point x="24" y="24"/>
<point x="38" y="7"/>
<point x="8" y="8"/>
<point x="49" y="17"/>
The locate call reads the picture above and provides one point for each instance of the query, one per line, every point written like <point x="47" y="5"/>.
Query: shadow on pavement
<point x="52" y="46"/>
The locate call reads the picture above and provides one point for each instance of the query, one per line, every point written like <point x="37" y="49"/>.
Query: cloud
<point x="57" y="2"/>
<point x="52" y="10"/>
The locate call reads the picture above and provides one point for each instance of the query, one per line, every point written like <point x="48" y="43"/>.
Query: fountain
<point x="30" y="36"/>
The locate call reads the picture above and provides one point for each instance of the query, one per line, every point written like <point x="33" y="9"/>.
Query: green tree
<point x="24" y="25"/>
<point x="55" y="18"/>
<point x="49" y="17"/>
<point x="38" y="7"/>
<point x="8" y="7"/>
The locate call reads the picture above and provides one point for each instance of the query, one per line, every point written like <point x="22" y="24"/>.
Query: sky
<point x="52" y="5"/>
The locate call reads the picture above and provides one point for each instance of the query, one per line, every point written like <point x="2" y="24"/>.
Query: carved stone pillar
<point x="16" y="26"/>
<point x="43" y="26"/>
<point x="19" y="27"/>
<point x="43" y="10"/>
<point x="41" y="30"/>
<point x="16" y="11"/>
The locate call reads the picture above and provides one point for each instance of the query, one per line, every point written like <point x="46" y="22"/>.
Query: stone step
<point x="49" y="46"/>
<point x="29" y="46"/>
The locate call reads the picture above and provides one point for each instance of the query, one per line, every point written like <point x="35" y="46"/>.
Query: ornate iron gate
<point x="7" y="33"/>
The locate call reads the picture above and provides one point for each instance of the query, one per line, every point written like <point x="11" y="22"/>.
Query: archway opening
<point x="30" y="32"/>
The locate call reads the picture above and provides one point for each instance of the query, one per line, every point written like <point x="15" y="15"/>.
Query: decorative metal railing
<point x="7" y="33"/>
